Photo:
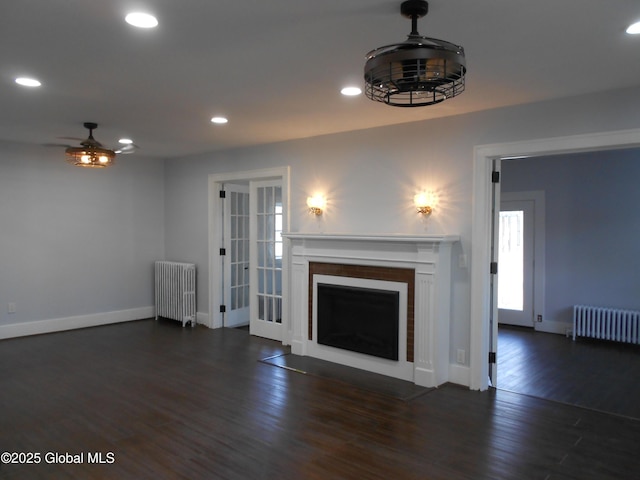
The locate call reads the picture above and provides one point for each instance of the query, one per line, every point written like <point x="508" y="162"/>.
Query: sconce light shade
<point x="424" y="203"/>
<point x="316" y="204"/>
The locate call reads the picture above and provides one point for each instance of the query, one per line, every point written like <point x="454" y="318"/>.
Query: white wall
<point x="76" y="243"/>
<point x="370" y="177"/>
<point x="80" y="244"/>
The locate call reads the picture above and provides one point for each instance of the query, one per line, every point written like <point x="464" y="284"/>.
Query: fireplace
<point x="409" y="274"/>
<point x="363" y="320"/>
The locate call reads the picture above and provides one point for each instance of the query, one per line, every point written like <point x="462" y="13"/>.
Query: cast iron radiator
<point x="606" y="323"/>
<point x="175" y="291"/>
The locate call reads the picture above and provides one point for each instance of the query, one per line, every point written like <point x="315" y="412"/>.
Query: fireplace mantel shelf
<point x="402" y="238"/>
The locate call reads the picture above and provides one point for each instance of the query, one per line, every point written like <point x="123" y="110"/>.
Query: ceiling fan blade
<point x="91" y="142"/>
<point x="126" y="149"/>
<point x="56" y="145"/>
<point x="72" y="138"/>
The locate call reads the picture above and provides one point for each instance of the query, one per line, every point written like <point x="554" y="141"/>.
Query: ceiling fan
<point x="92" y="153"/>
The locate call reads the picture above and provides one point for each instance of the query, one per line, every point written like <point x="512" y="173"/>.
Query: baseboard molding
<point x="236" y="324"/>
<point x="561" y="328"/>
<point x="459" y="374"/>
<point x="203" y="319"/>
<point x="71" y="323"/>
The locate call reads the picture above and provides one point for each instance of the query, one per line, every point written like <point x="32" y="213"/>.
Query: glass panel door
<point x="510" y="293"/>
<point x="266" y="289"/>
<point x="236" y="261"/>
<point x="516" y="263"/>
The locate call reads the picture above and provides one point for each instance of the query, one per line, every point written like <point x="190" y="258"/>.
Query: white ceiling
<point x="275" y="67"/>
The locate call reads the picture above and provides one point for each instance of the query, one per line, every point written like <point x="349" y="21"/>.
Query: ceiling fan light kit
<point x="91" y="154"/>
<point x="418" y="72"/>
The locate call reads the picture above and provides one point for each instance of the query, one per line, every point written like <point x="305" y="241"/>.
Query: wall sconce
<point x="424" y="203"/>
<point x="316" y="204"/>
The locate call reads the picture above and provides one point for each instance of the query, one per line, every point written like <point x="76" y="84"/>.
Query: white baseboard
<point x="561" y="328"/>
<point x="459" y="374"/>
<point x="70" y="323"/>
<point x="235" y="325"/>
<point x="203" y="319"/>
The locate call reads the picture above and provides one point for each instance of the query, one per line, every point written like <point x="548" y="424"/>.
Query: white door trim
<point x="215" y="238"/>
<point x="481" y="225"/>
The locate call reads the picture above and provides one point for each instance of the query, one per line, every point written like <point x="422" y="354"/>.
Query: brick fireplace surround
<point x="418" y="266"/>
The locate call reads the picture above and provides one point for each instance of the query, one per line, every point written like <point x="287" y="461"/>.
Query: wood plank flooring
<point x="590" y="373"/>
<point x="373" y="382"/>
<point x="182" y="403"/>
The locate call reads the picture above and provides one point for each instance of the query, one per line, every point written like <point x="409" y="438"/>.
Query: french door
<point x="236" y="260"/>
<point x="266" y="248"/>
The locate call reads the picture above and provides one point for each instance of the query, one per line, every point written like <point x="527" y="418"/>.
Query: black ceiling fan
<point x="92" y="153"/>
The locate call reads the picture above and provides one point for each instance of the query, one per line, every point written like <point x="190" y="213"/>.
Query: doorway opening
<point x="582" y="269"/>
<point x="248" y="267"/>
<point x="521" y="256"/>
<point x="485" y="204"/>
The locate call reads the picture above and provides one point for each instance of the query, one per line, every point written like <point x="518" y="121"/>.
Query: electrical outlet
<point x="11" y="307"/>
<point x="461" y="356"/>
<point x="539" y="318"/>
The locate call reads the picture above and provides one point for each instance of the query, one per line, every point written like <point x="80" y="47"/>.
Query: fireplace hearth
<point x="362" y="320"/>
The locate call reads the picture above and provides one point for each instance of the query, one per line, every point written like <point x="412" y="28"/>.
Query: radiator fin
<point x="175" y="291"/>
<point x="606" y="323"/>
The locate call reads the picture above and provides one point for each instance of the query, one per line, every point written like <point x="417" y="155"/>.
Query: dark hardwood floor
<point x="183" y="403"/>
<point x="589" y="373"/>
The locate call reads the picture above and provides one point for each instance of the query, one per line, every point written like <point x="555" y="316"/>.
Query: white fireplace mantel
<point x="430" y="258"/>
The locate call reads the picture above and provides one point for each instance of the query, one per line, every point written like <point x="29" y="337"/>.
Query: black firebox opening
<point x="363" y="320"/>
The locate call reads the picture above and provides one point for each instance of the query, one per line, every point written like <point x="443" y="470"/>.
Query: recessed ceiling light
<point x="634" y="28"/>
<point x="141" y="20"/>
<point x="28" y="82"/>
<point x="351" y="91"/>
<point x="126" y="141"/>
<point x="219" y="120"/>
